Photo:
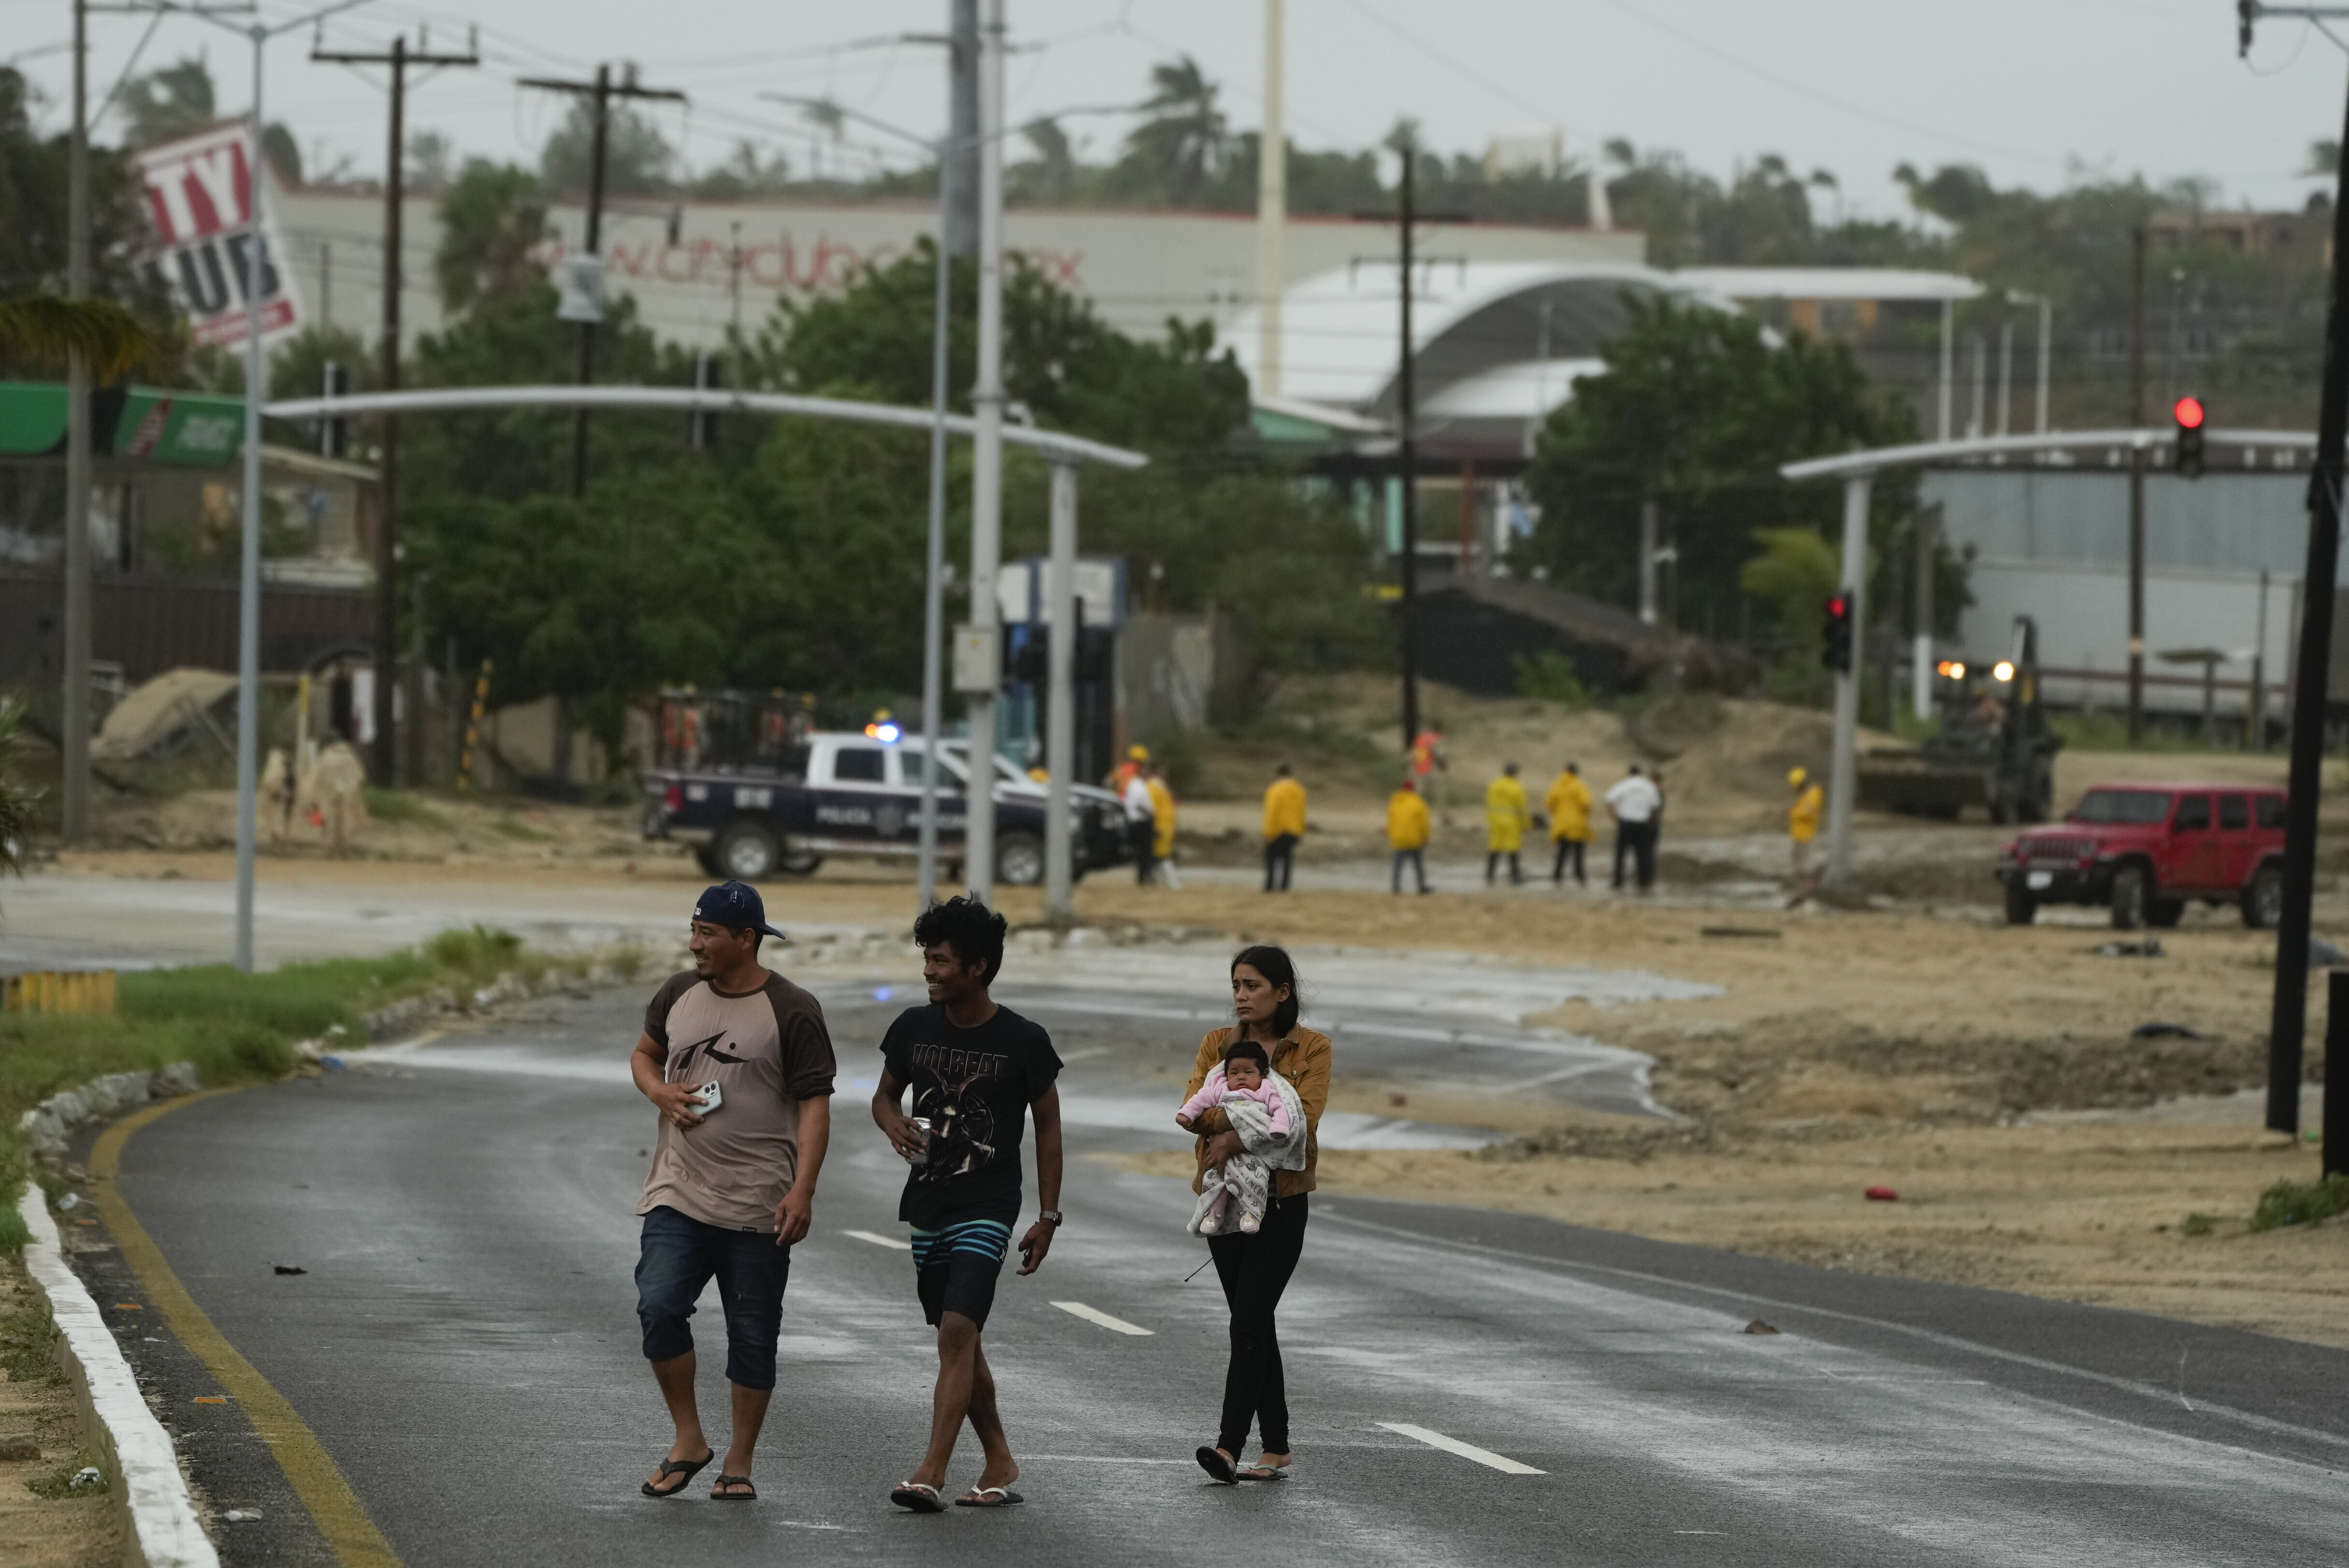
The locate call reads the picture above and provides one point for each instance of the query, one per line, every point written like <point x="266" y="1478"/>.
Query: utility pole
<point x="958" y="159"/>
<point x="1407" y="460"/>
<point x="2136" y="491"/>
<point x="1271" y="210"/>
<point x="73" y="738"/>
<point x="599" y="94"/>
<point x="2289" y="1016"/>
<point x="386" y="760"/>
<point x="985" y="634"/>
<point x="1408" y="216"/>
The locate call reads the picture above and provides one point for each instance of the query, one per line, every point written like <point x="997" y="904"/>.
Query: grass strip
<point x="234" y="1027"/>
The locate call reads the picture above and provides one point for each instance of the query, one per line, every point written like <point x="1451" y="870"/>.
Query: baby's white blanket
<point x="1248" y="1176"/>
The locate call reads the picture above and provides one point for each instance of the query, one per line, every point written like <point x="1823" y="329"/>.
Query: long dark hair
<point x="1273" y="963"/>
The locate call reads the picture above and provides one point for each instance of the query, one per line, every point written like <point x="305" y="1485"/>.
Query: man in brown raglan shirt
<point x="738" y="1062"/>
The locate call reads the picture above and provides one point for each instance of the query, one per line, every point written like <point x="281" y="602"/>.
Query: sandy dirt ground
<point x="1996" y="1078"/>
<point x="38" y="1531"/>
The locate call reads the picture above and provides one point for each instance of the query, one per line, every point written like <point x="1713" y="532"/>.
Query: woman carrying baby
<point x="1255" y="1264"/>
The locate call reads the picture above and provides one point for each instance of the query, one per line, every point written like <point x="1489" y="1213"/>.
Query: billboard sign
<point x="200" y="201"/>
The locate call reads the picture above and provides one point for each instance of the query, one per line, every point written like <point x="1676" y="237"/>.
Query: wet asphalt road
<point x="464" y="1344"/>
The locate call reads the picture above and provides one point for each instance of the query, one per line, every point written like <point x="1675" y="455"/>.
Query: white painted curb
<point x="163" y="1526"/>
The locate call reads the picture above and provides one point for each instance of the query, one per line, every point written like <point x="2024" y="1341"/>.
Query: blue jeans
<point x="681" y="1255"/>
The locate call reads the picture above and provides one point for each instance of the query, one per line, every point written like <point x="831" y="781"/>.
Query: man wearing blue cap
<point x="738" y="1060"/>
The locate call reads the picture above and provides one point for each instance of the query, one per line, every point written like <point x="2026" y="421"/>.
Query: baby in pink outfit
<point x="1246" y="1184"/>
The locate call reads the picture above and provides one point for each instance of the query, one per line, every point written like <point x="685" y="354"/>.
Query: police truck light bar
<point x="2190" y="417"/>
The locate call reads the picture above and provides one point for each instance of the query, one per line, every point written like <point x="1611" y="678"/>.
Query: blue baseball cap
<point x="735" y="905"/>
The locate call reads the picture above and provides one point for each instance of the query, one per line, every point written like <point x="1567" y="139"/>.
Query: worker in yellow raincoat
<point x="1802" y="831"/>
<point x="1162" y="822"/>
<point x="1284" y="825"/>
<point x="1569" y="804"/>
<point x="1507" y="818"/>
<point x="1407" y="833"/>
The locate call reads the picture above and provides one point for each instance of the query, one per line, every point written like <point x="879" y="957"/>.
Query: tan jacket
<point x="1304" y="1060"/>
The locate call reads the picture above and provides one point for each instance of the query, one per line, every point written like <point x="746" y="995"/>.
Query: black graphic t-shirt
<point x="975" y="1086"/>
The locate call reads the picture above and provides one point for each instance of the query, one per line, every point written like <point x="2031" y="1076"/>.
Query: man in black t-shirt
<point x="977" y="1071"/>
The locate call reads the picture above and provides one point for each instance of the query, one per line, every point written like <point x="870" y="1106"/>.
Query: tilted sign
<point x="199" y="201"/>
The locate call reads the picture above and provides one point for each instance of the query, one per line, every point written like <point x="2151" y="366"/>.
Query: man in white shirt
<point x="1140" y="826"/>
<point x="1635" y="804"/>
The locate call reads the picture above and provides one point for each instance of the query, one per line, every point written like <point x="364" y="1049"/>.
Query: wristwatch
<point x="1051" y="1214"/>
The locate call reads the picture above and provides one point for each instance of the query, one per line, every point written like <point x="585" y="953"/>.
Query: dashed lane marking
<point x="1094" y="1314"/>
<point x="1500" y="1462"/>
<point x="878" y="1239"/>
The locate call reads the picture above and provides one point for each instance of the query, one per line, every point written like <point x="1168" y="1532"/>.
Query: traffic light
<point x="2190" y="417"/>
<point x="1837" y="656"/>
<point x="334" y="434"/>
<point x="701" y="425"/>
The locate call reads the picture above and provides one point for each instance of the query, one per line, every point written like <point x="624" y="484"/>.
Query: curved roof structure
<point x="1494" y="340"/>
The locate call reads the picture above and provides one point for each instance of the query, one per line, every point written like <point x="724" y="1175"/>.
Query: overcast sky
<point x="2035" y="91"/>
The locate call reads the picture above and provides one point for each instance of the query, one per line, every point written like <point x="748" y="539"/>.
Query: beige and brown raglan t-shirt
<point x="767" y="1051"/>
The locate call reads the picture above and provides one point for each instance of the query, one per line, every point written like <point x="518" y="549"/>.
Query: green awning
<point x="142" y="424"/>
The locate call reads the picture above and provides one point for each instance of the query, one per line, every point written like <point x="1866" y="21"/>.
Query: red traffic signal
<point x="1835" y="650"/>
<point x="2189" y="414"/>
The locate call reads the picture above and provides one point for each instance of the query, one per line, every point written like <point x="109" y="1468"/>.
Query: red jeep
<point x="2146" y="849"/>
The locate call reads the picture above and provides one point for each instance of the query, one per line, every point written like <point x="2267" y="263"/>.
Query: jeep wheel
<point x="746" y="852"/>
<point x="1019" y="860"/>
<point x="2022" y="909"/>
<point x="799" y="862"/>
<point x="2132" y="897"/>
<point x="2264" y="899"/>
<point x="2165" y="913"/>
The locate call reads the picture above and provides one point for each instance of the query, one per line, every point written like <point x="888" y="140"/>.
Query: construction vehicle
<point x="1991" y="747"/>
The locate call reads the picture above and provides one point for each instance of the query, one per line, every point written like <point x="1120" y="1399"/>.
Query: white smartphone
<point x="712" y="1096"/>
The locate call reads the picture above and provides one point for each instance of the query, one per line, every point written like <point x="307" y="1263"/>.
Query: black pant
<point x="1144" y="836"/>
<point x="1493" y="863"/>
<point x="1418" y="858"/>
<point x="1254" y="1270"/>
<point x="1280" y="861"/>
<point x="1638" y="840"/>
<point x="1567" y="849"/>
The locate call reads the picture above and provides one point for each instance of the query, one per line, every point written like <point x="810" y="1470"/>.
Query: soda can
<point x="922" y="1125"/>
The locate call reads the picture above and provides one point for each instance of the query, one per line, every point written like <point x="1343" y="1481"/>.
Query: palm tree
<point x="1185" y="141"/>
<point x="106" y="336"/>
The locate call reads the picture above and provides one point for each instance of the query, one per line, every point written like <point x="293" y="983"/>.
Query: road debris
<point x="1881" y="1195"/>
<point x="288" y="1269"/>
<point x="1757" y="1326"/>
<point x="2158" y="1031"/>
<point x="19" y="1446"/>
<point x="2150" y="948"/>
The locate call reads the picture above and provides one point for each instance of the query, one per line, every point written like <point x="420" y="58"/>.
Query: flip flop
<point x="719" y="1492"/>
<point x="918" y="1497"/>
<point x="989" y="1497"/>
<point x="1217" y="1464"/>
<point x="1263" y="1472"/>
<point x="689" y="1468"/>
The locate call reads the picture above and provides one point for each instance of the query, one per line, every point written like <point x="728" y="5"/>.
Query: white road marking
<point x="1094" y="1314"/>
<point x="878" y="1239"/>
<point x="1081" y="1055"/>
<point x="1465" y="1450"/>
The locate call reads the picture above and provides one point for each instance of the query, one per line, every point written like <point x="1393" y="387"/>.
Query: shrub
<point x="1549" y="677"/>
<point x="2301" y="1202"/>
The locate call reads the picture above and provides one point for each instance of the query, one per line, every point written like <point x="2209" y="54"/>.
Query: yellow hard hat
<point x="1798" y="776"/>
<point x="1139" y="753"/>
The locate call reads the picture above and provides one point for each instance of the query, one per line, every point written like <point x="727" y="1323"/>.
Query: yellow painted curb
<point x="317" y="1480"/>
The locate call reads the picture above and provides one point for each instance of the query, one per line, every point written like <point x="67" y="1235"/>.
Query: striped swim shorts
<point x="955" y="1264"/>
